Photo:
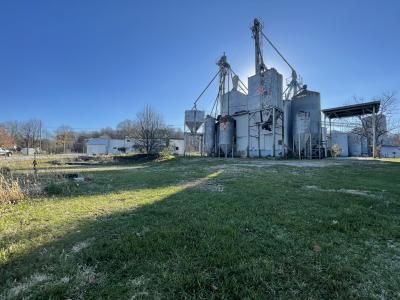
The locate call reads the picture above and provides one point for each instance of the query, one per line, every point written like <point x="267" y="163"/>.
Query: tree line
<point x="148" y="128"/>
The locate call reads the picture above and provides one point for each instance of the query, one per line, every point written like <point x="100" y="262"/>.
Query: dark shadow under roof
<point x="352" y="110"/>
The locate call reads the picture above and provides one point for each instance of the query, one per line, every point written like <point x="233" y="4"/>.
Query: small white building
<point x="177" y="146"/>
<point x="389" y="151"/>
<point x="104" y="146"/>
<point x="30" y="151"/>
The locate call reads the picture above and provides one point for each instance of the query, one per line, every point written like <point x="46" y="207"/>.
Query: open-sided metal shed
<point x="354" y="110"/>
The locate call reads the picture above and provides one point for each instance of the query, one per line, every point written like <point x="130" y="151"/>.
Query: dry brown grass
<point x="17" y="187"/>
<point x="10" y="190"/>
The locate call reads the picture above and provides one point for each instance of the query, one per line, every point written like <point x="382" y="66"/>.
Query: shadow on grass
<point x="135" y="236"/>
<point x="192" y="243"/>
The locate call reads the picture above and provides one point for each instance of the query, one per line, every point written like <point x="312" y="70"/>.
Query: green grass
<point x="391" y="159"/>
<point x="25" y="164"/>
<point x="209" y="228"/>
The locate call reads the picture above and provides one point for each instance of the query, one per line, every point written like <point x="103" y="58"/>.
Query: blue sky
<point x="92" y="64"/>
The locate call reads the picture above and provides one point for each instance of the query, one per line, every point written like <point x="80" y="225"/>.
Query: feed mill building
<point x="259" y="119"/>
<point x="267" y="119"/>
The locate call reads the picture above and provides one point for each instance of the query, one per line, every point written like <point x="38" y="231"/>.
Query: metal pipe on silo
<point x="287" y="119"/>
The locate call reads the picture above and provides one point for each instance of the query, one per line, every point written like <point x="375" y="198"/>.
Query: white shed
<point x="103" y="146"/>
<point x="97" y="146"/>
<point x="389" y="151"/>
<point x="177" y="146"/>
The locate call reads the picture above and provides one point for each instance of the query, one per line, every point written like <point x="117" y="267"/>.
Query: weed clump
<point x="54" y="188"/>
<point x="61" y="184"/>
<point x="10" y="190"/>
<point x="14" y="188"/>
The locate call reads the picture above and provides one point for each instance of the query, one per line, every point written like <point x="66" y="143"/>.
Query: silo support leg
<point x="273" y="132"/>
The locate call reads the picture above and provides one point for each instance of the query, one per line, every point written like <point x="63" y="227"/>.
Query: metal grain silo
<point x="355" y="144"/>
<point x="287" y="125"/>
<point x="308" y="102"/>
<point x="339" y="141"/>
<point x="302" y="132"/>
<point x="209" y="135"/>
<point x="226" y="135"/>
<point x="194" y="119"/>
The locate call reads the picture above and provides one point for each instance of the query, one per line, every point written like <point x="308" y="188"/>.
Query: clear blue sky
<point x="91" y="64"/>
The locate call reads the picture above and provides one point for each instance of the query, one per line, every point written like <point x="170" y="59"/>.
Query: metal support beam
<point x="273" y="131"/>
<point x="330" y="134"/>
<point x="299" y="145"/>
<point x="259" y="145"/>
<point x="373" y="132"/>
<point x="326" y="137"/>
<point x="248" y="135"/>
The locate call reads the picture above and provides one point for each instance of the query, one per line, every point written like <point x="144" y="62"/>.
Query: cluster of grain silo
<point x="260" y="119"/>
<point x="264" y="118"/>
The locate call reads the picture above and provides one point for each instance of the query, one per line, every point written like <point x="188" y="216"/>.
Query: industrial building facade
<point x="262" y="119"/>
<point x="259" y="119"/>
<point x="108" y="146"/>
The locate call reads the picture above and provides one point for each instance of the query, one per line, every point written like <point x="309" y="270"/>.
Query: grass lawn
<point x="209" y="228"/>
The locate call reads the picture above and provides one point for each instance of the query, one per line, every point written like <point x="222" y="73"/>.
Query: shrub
<point x="165" y="154"/>
<point x="54" y="188"/>
<point x="336" y="150"/>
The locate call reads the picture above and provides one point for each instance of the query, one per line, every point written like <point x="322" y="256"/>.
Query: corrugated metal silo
<point x="226" y="135"/>
<point x="364" y="146"/>
<point x="355" y="144"/>
<point x="340" y="140"/>
<point x="302" y="131"/>
<point x="287" y="125"/>
<point x="308" y="102"/>
<point x="209" y="135"/>
<point x="194" y="119"/>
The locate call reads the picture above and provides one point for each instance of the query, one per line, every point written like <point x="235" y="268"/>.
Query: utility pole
<point x="40" y="135"/>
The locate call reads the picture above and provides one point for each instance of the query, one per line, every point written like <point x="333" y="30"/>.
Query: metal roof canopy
<point x="352" y="110"/>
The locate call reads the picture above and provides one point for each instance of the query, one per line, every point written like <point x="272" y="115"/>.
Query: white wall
<point x="96" y="149"/>
<point x="340" y="138"/>
<point x="389" y="151"/>
<point x="242" y="133"/>
<point x="177" y="147"/>
<point x="114" y="145"/>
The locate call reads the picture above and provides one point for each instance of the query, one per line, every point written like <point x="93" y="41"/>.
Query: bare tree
<point x="385" y="120"/>
<point x="12" y="129"/>
<point x="395" y="139"/>
<point x="29" y="133"/>
<point x="151" y="130"/>
<point x="65" y="136"/>
<point x="108" y="132"/>
<point x="127" y="128"/>
<point x="6" y="140"/>
<point x="175" y="133"/>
